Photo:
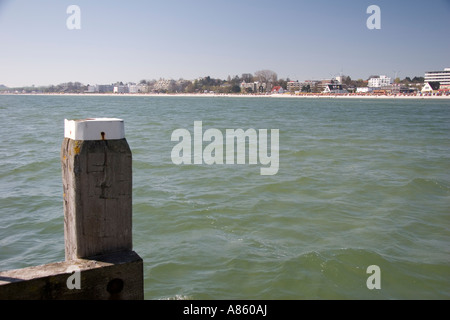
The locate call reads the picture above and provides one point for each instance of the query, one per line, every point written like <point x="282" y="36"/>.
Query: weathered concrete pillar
<point x="97" y="184"/>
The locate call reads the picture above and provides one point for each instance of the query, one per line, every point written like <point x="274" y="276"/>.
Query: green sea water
<point x="360" y="183"/>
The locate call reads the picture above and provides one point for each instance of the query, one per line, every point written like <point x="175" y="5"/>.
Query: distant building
<point x="409" y="90"/>
<point x="334" y="88"/>
<point x="120" y="89"/>
<point x="443" y="77"/>
<point x="315" y="85"/>
<point x="322" y="84"/>
<point x="137" y="88"/>
<point x="431" y="86"/>
<point x="133" y="88"/>
<point x="293" y="86"/>
<point x="92" y="89"/>
<point x="363" y="90"/>
<point x="340" y="79"/>
<point x="164" y="85"/>
<point x="380" y="81"/>
<point x="253" y="87"/>
<point x="277" y="89"/>
<point x="100" y="88"/>
<point x="105" y="88"/>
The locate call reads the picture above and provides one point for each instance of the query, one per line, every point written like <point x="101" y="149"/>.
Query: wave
<point x="340" y="273"/>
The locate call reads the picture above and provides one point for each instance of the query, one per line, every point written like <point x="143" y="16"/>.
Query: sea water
<point x="361" y="182"/>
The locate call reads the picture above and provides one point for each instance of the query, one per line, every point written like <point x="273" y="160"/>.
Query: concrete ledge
<point x="115" y="276"/>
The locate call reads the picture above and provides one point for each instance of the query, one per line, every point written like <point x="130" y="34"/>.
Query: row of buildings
<point x="118" y="88"/>
<point x="435" y="81"/>
<point x="155" y="86"/>
<point x="335" y="85"/>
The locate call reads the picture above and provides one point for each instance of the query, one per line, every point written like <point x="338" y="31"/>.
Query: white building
<point x="334" y="88"/>
<point x="363" y="90"/>
<point x="340" y="79"/>
<point x="253" y="87"/>
<point x="92" y="89"/>
<point x="100" y="88"/>
<point x="443" y="77"/>
<point x="378" y="82"/>
<point x="137" y="88"/>
<point x="431" y="86"/>
<point x="164" y="85"/>
<point x="120" y="89"/>
<point x="133" y="88"/>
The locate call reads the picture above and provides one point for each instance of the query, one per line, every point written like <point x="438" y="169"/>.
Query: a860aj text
<point x="247" y="309"/>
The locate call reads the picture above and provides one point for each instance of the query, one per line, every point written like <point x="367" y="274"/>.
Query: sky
<point x="133" y="40"/>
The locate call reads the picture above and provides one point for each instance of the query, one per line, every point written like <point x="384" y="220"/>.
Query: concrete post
<point x="97" y="184"/>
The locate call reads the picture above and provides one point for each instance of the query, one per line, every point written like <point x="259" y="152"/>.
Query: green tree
<point x="360" y="83"/>
<point x="190" y="88"/>
<point x="347" y="81"/>
<point x="306" y="88"/>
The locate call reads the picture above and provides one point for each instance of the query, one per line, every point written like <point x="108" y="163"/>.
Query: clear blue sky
<point x="135" y="40"/>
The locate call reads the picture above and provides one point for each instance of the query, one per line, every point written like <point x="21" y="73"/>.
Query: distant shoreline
<point x="212" y="95"/>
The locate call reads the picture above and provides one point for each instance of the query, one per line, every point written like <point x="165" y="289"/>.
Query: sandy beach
<point x="278" y="96"/>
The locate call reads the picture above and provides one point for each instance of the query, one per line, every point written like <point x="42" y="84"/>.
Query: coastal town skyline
<point x="230" y="77"/>
<point x="300" y="40"/>
<point x="261" y="82"/>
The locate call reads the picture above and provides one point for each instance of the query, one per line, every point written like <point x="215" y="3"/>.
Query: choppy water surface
<point x="361" y="182"/>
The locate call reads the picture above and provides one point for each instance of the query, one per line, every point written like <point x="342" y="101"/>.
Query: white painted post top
<point x="94" y="129"/>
